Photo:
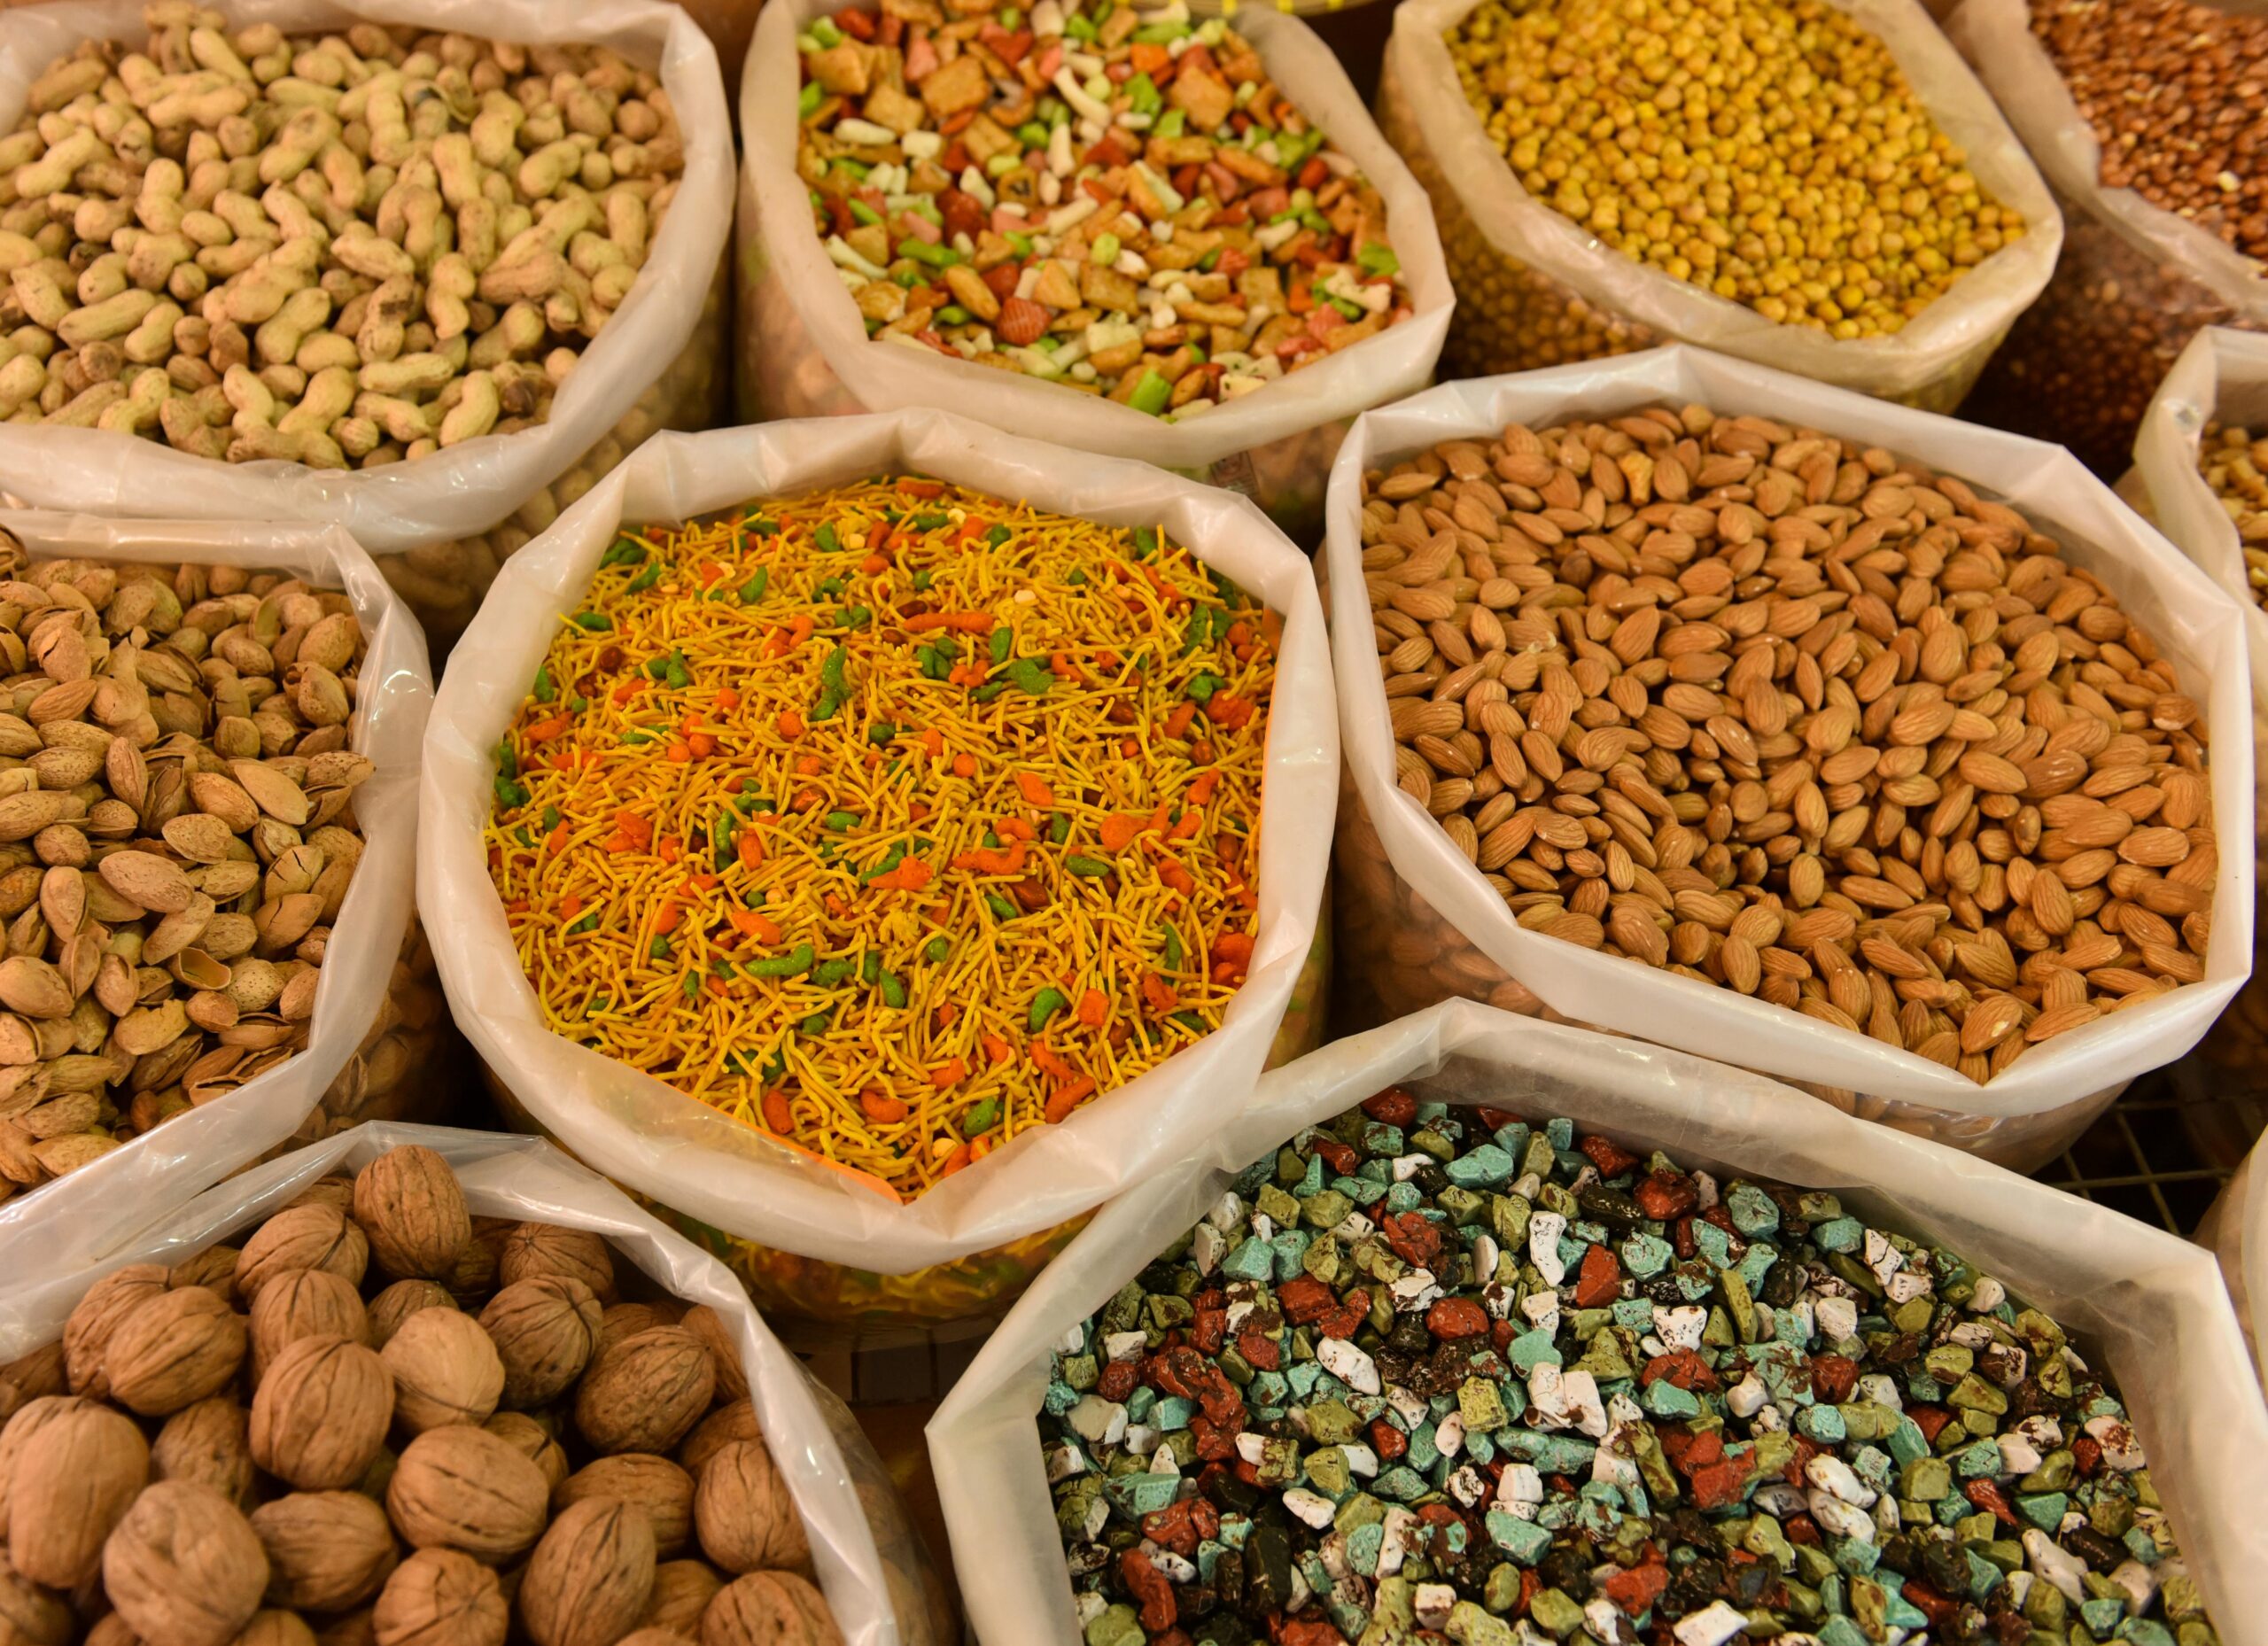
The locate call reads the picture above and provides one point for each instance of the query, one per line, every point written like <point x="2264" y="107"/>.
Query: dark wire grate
<point x="2160" y="1152"/>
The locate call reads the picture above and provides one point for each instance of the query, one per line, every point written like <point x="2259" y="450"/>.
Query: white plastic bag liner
<point x="526" y="1179"/>
<point x="61" y="1224"/>
<point x="469" y="487"/>
<point x="1930" y="360"/>
<point x="693" y="1159"/>
<point x="2148" y="1306"/>
<point x="2035" y="1109"/>
<point x="2235" y="1231"/>
<point x="806" y="352"/>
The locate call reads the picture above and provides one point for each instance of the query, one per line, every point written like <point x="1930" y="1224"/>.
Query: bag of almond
<point x="207" y="858"/>
<point x="1869" y="749"/>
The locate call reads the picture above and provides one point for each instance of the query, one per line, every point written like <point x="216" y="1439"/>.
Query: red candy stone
<point x="1337" y="1156"/>
<point x="1118" y="1380"/>
<point x="1347" y="1318"/>
<point x="1929" y="1419"/>
<point x="1986" y="1494"/>
<point x="1414" y="1239"/>
<point x="1719" y="1484"/>
<point x="1456" y="1318"/>
<point x="1833" y="1376"/>
<point x="1600" y="1280"/>
<point x="1611" y="1159"/>
<point x="1664" y="1194"/>
<point x="1148" y="1585"/>
<point x="1636" y="1587"/>
<point x="1304" y="1300"/>
<point x="1394" y="1107"/>
<point x="1386" y="1441"/>
<point x="1261" y="1351"/>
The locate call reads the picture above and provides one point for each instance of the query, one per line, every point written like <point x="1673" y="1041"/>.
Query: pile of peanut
<point x="1790" y="716"/>
<point x="177" y="835"/>
<point x="344" y="249"/>
<point x="366" y="1420"/>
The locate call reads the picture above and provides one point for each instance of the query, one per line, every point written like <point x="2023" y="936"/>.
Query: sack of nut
<point x="2164" y="243"/>
<point x="803" y="338"/>
<point x="1528" y="1461"/>
<point x="209" y="841"/>
<point x="425" y="285"/>
<point x="416" y="1384"/>
<point x="1897" y="750"/>
<point x="1536" y="288"/>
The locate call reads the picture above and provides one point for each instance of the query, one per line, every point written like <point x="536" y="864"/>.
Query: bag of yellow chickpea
<point x="119" y="1166"/>
<point x="2135" y="283"/>
<point x="1537" y="287"/>
<point x="1414" y="899"/>
<point x="469" y="405"/>
<point x="804" y="348"/>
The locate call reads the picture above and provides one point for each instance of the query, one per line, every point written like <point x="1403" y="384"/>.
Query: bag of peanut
<point x="1537" y="287"/>
<point x="2139" y="277"/>
<point x="1088" y="283"/>
<point x="1699" y="702"/>
<point x="202" y="946"/>
<point x="422" y="284"/>
<point x="548" y="1247"/>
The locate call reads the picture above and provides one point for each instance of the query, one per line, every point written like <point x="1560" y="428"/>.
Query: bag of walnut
<point x="2136" y="281"/>
<point x="276" y="974"/>
<point x="446" y="283"/>
<point x="439" y="1384"/>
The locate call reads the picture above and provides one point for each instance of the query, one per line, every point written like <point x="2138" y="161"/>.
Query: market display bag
<point x="437" y="525"/>
<point x="804" y="351"/>
<point x="1534" y="289"/>
<point x="808" y="1239"/>
<point x="2135" y="283"/>
<point x="1404" y="891"/>
<point x="74" y="1219"/>
<point x="2146" y="1305"/>
<point x="2235" y="1230"/>
<point x="863" y="1548"/>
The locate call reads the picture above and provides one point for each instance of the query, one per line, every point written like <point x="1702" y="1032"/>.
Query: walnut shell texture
<point x="440" y="1597"/>
<point x="320" y="1416"/>
<point x="769" y="1609"/>
<point x="29" y="1616"/>
<point x="745" y="1513"/>
<point x="173" y="1351"/>
<point x="445" y="1370"/>
<point x="275" y="1627"/>
<point x="533" y="1249"/>
<point x="590" y="1578"/>
<point x="74" y="1481"/>
<point x="546" y="1330"/>
<point x="465" y="1488"/>
<point x="646" y="1392"/>
<point x="87" y="1334"/>
<point x="398" y="1302"/>
<point x="654" y="1484"/>
<point x="302" y="1237"/>
<point x="682" y="1591"/>
<point x="27" y="1420"/>
<point x="533" y="1441"/>
<point x="327" y="1551"/>
<point x="305" y="1303"/>
<point x="705" y="1324"/>
<point x="184" y="1567"/>
<point x="408" y="1204"/>
<point x="720" y="1429"/>
<point x="208" y="1443"/>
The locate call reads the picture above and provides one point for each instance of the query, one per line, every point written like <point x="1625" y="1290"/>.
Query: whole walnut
<point x="175" y="1350"/>
<point x="39" y="1373"/>
<point x="110" y="1629"/>
<point x="274" y="1628"/>
<point x="320" y="1416"/>
<point x="474" y="1277"/>
<point x="746" y="1515"/>
<point x="336" y="1191"/>
<point x="208" y="1443"/>
<point x="352" y="1628"/>
<point x="302" y="1237"/>
<point x="184" y="1568"/>
<point x="682" y="1591"/>
<point x="716" y="1336"/>
<point x="654" y="1484"/>
<point x="628" y="1320"/>
<point x="327" y="1551"/>
<point x="590" y="1578"/>
<point x="645" y="1392"/>
<point x="769" y="1609"/>
<point x="533" y="1441"/>
<point x="74" y="1479"/>
<point x="408" y="1204"/>
<point x="28" y="1420"/>
<point x="398" y="1302"/>
<point x="543" y="1329"/>
<point x="87" y="1334"/>
<point x="305" y="1303"/>
<point x="29" y="1616"/>
<point x="214" y="1268"/>
<point x="465" y="1488"/>
<point x="440" y="1597"/>
<point x="445" y="1370"/>
<point x="534" y="1249"/>
<point x="720" y="1429"/>
<point x="654" y="1637"/>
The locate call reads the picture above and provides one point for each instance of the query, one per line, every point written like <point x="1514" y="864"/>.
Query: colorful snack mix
<point x="894" y="819"/>
<point x="1109" y="197"/>
<point x="1434" y="1369"/>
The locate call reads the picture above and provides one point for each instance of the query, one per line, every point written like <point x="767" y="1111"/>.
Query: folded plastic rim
<point x="699" y="1162"/>
<point x="2194" y="622"/>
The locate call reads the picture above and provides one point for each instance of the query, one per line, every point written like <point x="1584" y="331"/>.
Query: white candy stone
<point x="1091" y="1606"/>
<point x="1408" y="1166"/>
<point x="1063" y="1462"/>
<point x="1711" y="1627"/>
<point x="1520" y="1485"/>
<point x="1883" y="1390"/>
<point x="1611" y="1464"/>
<point x="1448" y="1436"/>
<point x="1600" y="1618"/>
<point x="1526" y="1185"/>
<point x="1838" y="1318"/>
<point x="1312" y="1507"/>
<point x="1361" y="1460"/>
<point x="1352" y="1227"/>
<point x="1101" y="1422"/>
<point x="1770" y="1419"/>
<point x="1832" y="1474"/>
<point x="1544" y="1232"/>
<point x="2042" y="1431"/>
<point x="1971" y="1335"/>
<point x="1542" y="1309"/>
<point x="1350" y="1366"/>
<point x="1990" y="1295"/>
<point x="1708" y="1187"/>
<point x="1400" y="1537"/>
<point x="1837" y="1517"/>
<point x="1334" y="1556"/>
<point x="2051" y="1565"/>
<point x="1141" y="1439"/>
<point x="1623" y="1410"/>
<point x="1176" y="1569"/>
<point x="1680" y="1328"/>
<point x="1496" y="1298"/>
<point x="1227" y="1212"/>
<point x="1251" y="1447"/>
<point x="1746" y="1397"/>
<point x="1905" y="1285"/>
<point x="2018" y="1455"/>
<point x="1432" y="1605"/>
<point x="1484" y="1257"/>
<point x="2139" y="1583"/>
<point x="2120" y="1449"/>
<point x="1161" y="1461"/>
<point x="1206" y="1247"/>
<point x="1466" y="1486"/>
<point x="1124" y="1345"/>
<point x="1410" y="1408"/>
<point x="1547" y="1403"/>
<point x="1778" y="1499"/>
<point x="1263" y="1226"/>
<point x="1580" y="1390"/>
<point x="1415" y="1291"/>
<point x="1073" y="1341"/>
<point x="2019" y="1584"/>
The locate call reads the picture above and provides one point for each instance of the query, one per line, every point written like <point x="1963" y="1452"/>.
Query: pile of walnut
<point x="346" y="248"/>
<point x="177" y="835"/>
<point x="363" y="1426"/>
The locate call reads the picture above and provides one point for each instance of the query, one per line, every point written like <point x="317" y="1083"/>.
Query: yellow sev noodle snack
<point x="893" y="819"/>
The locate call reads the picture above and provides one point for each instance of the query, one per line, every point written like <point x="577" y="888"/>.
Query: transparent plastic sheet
<point x="804" y="351"/>
<point x="2148" y="1306"/>
<point x="1536" y="290"/>
<point x="62" y="1225"/>
<point x="863" y="1547"/>
<point x="436" y="509"/>
<point x="2022" y="1118"/>
<point x="712" y="1170"/>
<point x="2135" y="283"/>
<point x="398" y="1071"/>
<point x="2235" y="1231"/>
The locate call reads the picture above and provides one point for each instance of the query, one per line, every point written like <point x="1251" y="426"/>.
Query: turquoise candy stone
<point x="2044" y="1509"/>
<point x="1401" y="1483"/>
<point x="1135" y="1495"/>
<point x="1822" y="1424"/>
<point x="1634" y="1314"/>
<point x="1173" y="1413"/>
<point x="1060" y="1398"/>
<point x="2145" y="1631"/>
<point x="1906" y="1442"/>
<point x="2101" y="1616"/>
<point x="1646" y="1255"/>
<point x="1403" y="1197"/>
<point x="1840" y="1631"/>
<point x="1523" y="1540"/>
<point x="1532" y="1349"/>
<point x="1486" y="1167"/>
<point x="1665" y="1399"/>
<point x="1980" y="1462"/>
<point x="1844" y="1234"/>
<point x="1253" y="1260"/>
<point x="1363" y="1546"/>
<point x="1753" y="1212"/>
<point x="1716" y="1245"/>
